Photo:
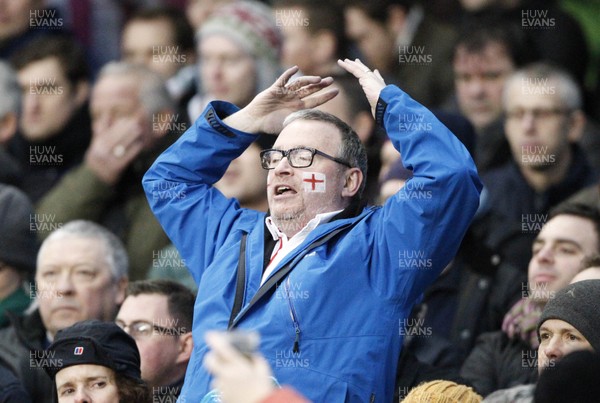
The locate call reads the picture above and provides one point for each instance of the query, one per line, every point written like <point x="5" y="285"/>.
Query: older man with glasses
<point x="323" y="279"/>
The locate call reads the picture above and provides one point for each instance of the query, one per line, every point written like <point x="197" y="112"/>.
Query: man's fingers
<point x="319" y="99"/>
<point x="284" y="78"/>
<point x="301" y="82"/>
<point x="354" y="67"/>
<point x="315" y="87"/>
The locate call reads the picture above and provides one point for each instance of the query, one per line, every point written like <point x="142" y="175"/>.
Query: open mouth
<point x="283" y="189"/>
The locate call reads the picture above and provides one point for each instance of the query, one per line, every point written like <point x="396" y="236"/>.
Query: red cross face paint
<point x="313" y="182"/>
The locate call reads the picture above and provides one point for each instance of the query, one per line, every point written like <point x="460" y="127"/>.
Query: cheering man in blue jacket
<point x="326" y="282"/>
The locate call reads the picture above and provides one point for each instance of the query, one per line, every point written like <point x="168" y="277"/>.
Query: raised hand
<point x="371" y="81"/>
<point x="113" y="148"/>
<point x="267" y="111"/>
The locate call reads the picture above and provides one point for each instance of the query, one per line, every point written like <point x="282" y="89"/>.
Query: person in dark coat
<point x="506" y="358"/>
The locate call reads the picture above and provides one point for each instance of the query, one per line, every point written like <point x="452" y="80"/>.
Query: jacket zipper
<point x="286" y="288"/>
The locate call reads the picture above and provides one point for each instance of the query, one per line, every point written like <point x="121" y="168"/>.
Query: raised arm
<point x="267" y="111"/>
<point x="197" y="217"/>
<point x="421" y="226"/>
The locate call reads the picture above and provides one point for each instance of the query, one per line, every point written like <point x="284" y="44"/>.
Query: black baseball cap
<point x="98" y="343"/>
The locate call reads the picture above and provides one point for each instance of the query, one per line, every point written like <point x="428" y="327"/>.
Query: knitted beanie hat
<point x="442" y="392"/>
<point x="251" y="26"/>
<point x="577" y="304"/>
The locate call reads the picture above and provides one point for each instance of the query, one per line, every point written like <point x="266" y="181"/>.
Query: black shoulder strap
<point x="240" y="282"/>
<point x="274" y="280"/>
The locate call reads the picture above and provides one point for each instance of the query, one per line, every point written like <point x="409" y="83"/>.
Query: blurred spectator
<point x="569" y="323"/>
<point x="21" y="21"/>
<point x="573" y="379"/>
<point x="555" y="35"/>
<point x="10" y="106"/>
<point x="442" y="391"/>
<point x="54" y="126"/>
<point x="133" y="122"/>
<point x="11" y="389"/>
<point x="406" y="45"/>
<point x="158" y="315"/>
<point x="97" y="25"/>
<point x="163" y="40"/>
<point x="589" y="196"/>
<point x="497" y="361"/>
<point x="487" y="52"/>
<point x="18" y="248"/>
<point x="245" y="179"/>
<point x="95" y="361"/>
<point x="81" y="274"/>
<point x="239" y="48"/>
<point x="543" y="124"/>
<point x="314" y="36"/>
<point x="394" y="179"/>
<point x="197" y="11"/>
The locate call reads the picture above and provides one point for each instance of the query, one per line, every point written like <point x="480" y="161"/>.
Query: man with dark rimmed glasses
<point x="158" y="315"/>
<point x="321" y="277"/>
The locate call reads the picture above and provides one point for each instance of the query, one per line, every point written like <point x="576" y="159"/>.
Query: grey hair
<point x="567" y="89"/>
<point x="115" y="251"/>
<point x="351" y="150"/>
<point x="153" y="92"/>
<point x="10" y="101"/>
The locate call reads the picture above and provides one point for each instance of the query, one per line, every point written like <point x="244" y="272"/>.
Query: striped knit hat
<point x="442" y="392"/>
<point x="250" y="25"/>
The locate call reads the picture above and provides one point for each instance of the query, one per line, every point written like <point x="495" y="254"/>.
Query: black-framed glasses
<point x="141" y="329"/>
<point x="299" y="157"/>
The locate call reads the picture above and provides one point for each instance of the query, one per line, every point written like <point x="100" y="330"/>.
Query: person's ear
<point x="8" y="127"/>
<point x="82" y="92"/>
<point x="354" y="178"/>
<point x="186" y="345"/>
<point x="121" y="290"/>
<point x="576" y="125"/>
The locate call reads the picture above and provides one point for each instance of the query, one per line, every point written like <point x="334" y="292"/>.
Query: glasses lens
<point x="141" y="328"/>
<point x="271" y="158"/>
<point x="300" y="157"/>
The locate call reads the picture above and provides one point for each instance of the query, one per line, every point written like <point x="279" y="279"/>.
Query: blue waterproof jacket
<point x="333" y="327"/>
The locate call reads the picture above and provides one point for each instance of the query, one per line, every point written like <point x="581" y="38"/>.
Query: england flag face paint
<point x="313" y="182"/>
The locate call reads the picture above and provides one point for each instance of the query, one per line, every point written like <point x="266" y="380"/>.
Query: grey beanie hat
<point x="579" y="305"/>
<point x="252" y="26"/>
<point x="18" y="244"/>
